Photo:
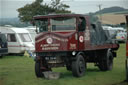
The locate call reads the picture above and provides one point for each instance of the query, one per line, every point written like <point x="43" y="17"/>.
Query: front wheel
<point x="78" y="66"/>
<point x="38" y="70"/>
<point x="1" y="56"/>
<point x="68" y="67"/>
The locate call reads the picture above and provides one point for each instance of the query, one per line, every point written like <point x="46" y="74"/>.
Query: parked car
<point x="116" y="33"/>
<point x="121" y="37"/>
<point x="110" y="32"/>
<point x="3" y="45"/>
<point x="19" y="40"/>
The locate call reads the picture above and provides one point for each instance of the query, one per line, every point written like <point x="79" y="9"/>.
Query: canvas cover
<point x="97" y="34"/>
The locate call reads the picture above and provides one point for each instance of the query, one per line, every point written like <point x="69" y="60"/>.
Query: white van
<point x="110" y="31"/>
<point x="119" y="33"/>
<point x="19" y="39"/>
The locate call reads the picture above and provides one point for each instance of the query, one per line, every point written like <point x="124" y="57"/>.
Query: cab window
<point x="63" y="24"/>
<point x="42" y="25"/>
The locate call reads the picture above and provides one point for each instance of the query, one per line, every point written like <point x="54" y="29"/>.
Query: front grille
<point x="52" y="54"/>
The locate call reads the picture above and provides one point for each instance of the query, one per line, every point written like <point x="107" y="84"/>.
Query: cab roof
<point x="58" y="15"/>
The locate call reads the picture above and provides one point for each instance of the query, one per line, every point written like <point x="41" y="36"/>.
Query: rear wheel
<point x="106" y="63"/>
<point x="68" y="67"/>
<point x="78" y="66"/>
<point x="1" y="56"/>
<point x="39" y="70"/>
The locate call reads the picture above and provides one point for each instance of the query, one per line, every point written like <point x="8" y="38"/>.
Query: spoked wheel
<point x="106" y="63"/>
<point x="78" y="66"/>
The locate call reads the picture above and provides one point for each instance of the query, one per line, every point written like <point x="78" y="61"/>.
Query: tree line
<point x="38" y="7"/>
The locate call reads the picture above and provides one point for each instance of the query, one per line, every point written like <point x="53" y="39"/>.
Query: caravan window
<point x="25" y="37"/>
<point x="11" y="38"/>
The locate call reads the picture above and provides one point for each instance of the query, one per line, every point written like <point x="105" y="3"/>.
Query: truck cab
<point x="59" y="34"/>
<point x="70" y="40"/>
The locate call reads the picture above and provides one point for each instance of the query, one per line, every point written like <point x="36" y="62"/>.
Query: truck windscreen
<point x="42" y="25"/>
<point x="63" y="24"/>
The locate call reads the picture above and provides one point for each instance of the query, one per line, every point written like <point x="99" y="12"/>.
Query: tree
<point x="57" y="4"/>
<point x="27" y="12"/>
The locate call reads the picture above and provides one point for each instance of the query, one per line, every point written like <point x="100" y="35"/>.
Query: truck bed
<point x="103" y="46"/>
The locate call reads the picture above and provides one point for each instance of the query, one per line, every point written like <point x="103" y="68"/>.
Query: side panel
<point x="81" y="41"/>
<point x="56" y="41"/>
<point x="84" y="36"/>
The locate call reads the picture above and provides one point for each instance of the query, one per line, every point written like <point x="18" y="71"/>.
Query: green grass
<point x="18" y="70"/>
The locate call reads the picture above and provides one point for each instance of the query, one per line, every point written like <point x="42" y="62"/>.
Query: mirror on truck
<point x="93" y="26"/>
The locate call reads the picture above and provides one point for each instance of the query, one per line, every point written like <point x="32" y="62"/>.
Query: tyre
<point x="1" y="56"/>
<point x="38" y="71"/>
<point x="106" y="63"/>
<point x="78" y="66"/>
<point x="68" y="67"/>
<point x="126" y="64"/>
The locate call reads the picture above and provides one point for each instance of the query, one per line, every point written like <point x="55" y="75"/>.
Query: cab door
<point x="81" y="31"/>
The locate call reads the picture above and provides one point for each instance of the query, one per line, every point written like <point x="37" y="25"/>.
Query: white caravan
<point x="32" y="31"/>
<point x="19" y="39"/>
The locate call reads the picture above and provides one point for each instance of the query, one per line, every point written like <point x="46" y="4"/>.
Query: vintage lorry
<point x="72" y="40"/>
<point x="127" y="50"/>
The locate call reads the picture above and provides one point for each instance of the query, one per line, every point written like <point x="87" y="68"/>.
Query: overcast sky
<point x="8" y="8"/>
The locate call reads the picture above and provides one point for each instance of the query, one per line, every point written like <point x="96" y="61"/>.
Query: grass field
<point x="18" y="70"/>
